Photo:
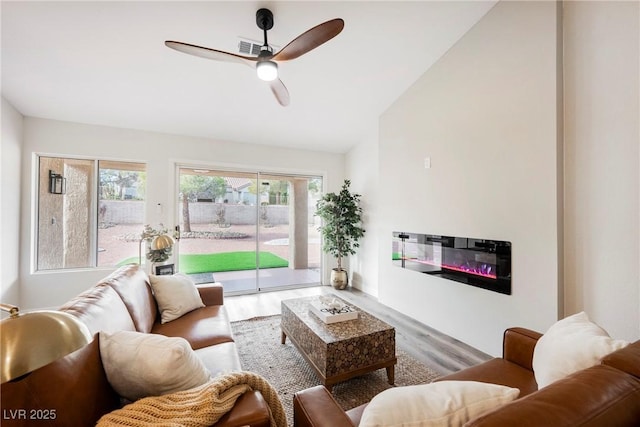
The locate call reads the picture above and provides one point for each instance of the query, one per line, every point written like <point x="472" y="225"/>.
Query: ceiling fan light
<point x="267" y="70"/>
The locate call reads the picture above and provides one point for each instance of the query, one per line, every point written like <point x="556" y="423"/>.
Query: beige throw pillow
<point x="140" y="365"/>
<point x="571" y="344"/>
<point x="441" y="404"/>
<point x="176" y="295"/>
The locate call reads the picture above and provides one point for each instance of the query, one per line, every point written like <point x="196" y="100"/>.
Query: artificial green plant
<point x="341" y="228"/>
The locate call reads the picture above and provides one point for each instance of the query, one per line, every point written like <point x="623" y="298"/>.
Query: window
<point x="94" y="215"/>
<point x="120" y="212"/>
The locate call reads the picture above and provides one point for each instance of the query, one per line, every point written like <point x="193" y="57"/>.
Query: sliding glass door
<point x="287" y="230"/>
<point x="251" y="231"/>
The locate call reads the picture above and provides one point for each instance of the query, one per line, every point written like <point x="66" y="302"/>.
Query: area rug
<point x="258" y="342"/>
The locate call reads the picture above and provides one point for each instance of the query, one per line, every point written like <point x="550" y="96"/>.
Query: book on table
<point x="329" y="314"/>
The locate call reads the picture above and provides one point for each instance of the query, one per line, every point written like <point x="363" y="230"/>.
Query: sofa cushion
<point x="101" y="309"/>
<point x="131" y="283"/>
<point x="599" y="396"/>
<point x="442" y="404"/>
<point x="202" y="327"/>
<point x="220" y="358"/>
<point x="626" y="359"/>
<point x="571" y="344"/>
<point x="176" y="295"/>
<point x="497" y="371"/>
<point x="140" y="365"/>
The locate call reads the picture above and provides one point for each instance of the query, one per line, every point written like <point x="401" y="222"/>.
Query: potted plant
<point x="341" y="229"/>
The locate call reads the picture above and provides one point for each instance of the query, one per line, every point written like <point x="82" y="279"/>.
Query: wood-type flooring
<point x="435" y="349"/>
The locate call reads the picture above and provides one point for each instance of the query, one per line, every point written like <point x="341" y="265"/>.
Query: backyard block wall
<point x="206" y="213"/>
<point x="121" y="211"/>
<point x="132" y="212"/>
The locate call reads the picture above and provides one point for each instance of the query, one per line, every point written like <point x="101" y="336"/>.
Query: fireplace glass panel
<point x="476" y="262"/>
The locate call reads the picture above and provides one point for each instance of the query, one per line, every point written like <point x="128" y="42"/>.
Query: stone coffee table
<point x="342" y="350"/>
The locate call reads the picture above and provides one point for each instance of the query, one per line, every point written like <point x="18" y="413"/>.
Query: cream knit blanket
<point x="198" y="407"/>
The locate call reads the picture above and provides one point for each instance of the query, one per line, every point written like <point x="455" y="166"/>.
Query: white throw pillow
<point x="444" y="403"/>
<point x="571" y="344"/>
<point x="176" y="295"/>
<point x="140" y="365"/>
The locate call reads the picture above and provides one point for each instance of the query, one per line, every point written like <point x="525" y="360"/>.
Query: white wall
<point x="596" y="249"/>
<point x="486" y="115"/>
<point x="161" y="152"/>
<point x="602" y="163"/>
<point x="362" y="164"/>
<point x="10" y="153"/>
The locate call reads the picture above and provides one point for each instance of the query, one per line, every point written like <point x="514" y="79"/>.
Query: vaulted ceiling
<point x="105" y="63"/>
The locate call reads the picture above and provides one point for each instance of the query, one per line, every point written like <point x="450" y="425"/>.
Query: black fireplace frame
<point x="481" y="263"/>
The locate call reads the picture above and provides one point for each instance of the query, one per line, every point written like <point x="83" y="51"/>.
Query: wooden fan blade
<point x="205" y="52"/>
<point x="310" y="40"/>
<point x="280" y="91"/>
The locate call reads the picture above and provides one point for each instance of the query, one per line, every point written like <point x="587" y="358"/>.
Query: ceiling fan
<point x="266" y="62"/>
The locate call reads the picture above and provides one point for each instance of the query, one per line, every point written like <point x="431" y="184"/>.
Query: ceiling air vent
<point x="249" y="47"/>
<point x="252" y="47"/>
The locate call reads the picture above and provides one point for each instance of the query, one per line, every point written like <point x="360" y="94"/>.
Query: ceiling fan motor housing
<point x="266" y="52"/>
<point x="264" y="19"/>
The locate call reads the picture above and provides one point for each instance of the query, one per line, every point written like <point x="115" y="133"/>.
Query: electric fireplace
<point x="476" y="262"/>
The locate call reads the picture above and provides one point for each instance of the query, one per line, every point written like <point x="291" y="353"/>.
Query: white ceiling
<point x="106" y="63"/>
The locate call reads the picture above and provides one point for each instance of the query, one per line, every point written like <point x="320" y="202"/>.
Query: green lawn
<point x="225" y="261"/>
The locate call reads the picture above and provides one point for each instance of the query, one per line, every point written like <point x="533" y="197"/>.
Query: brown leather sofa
<point x="74" y="391"/>
<point x="606" y="395"/>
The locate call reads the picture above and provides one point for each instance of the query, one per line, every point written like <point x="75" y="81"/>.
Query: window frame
<point x="94" y="207"/>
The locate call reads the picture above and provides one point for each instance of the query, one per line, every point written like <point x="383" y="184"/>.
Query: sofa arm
<point x="211" y="293"/>
<point x="316" y="407"/>
<point x="250" y="410"/>
<point x="518" y="345"/>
